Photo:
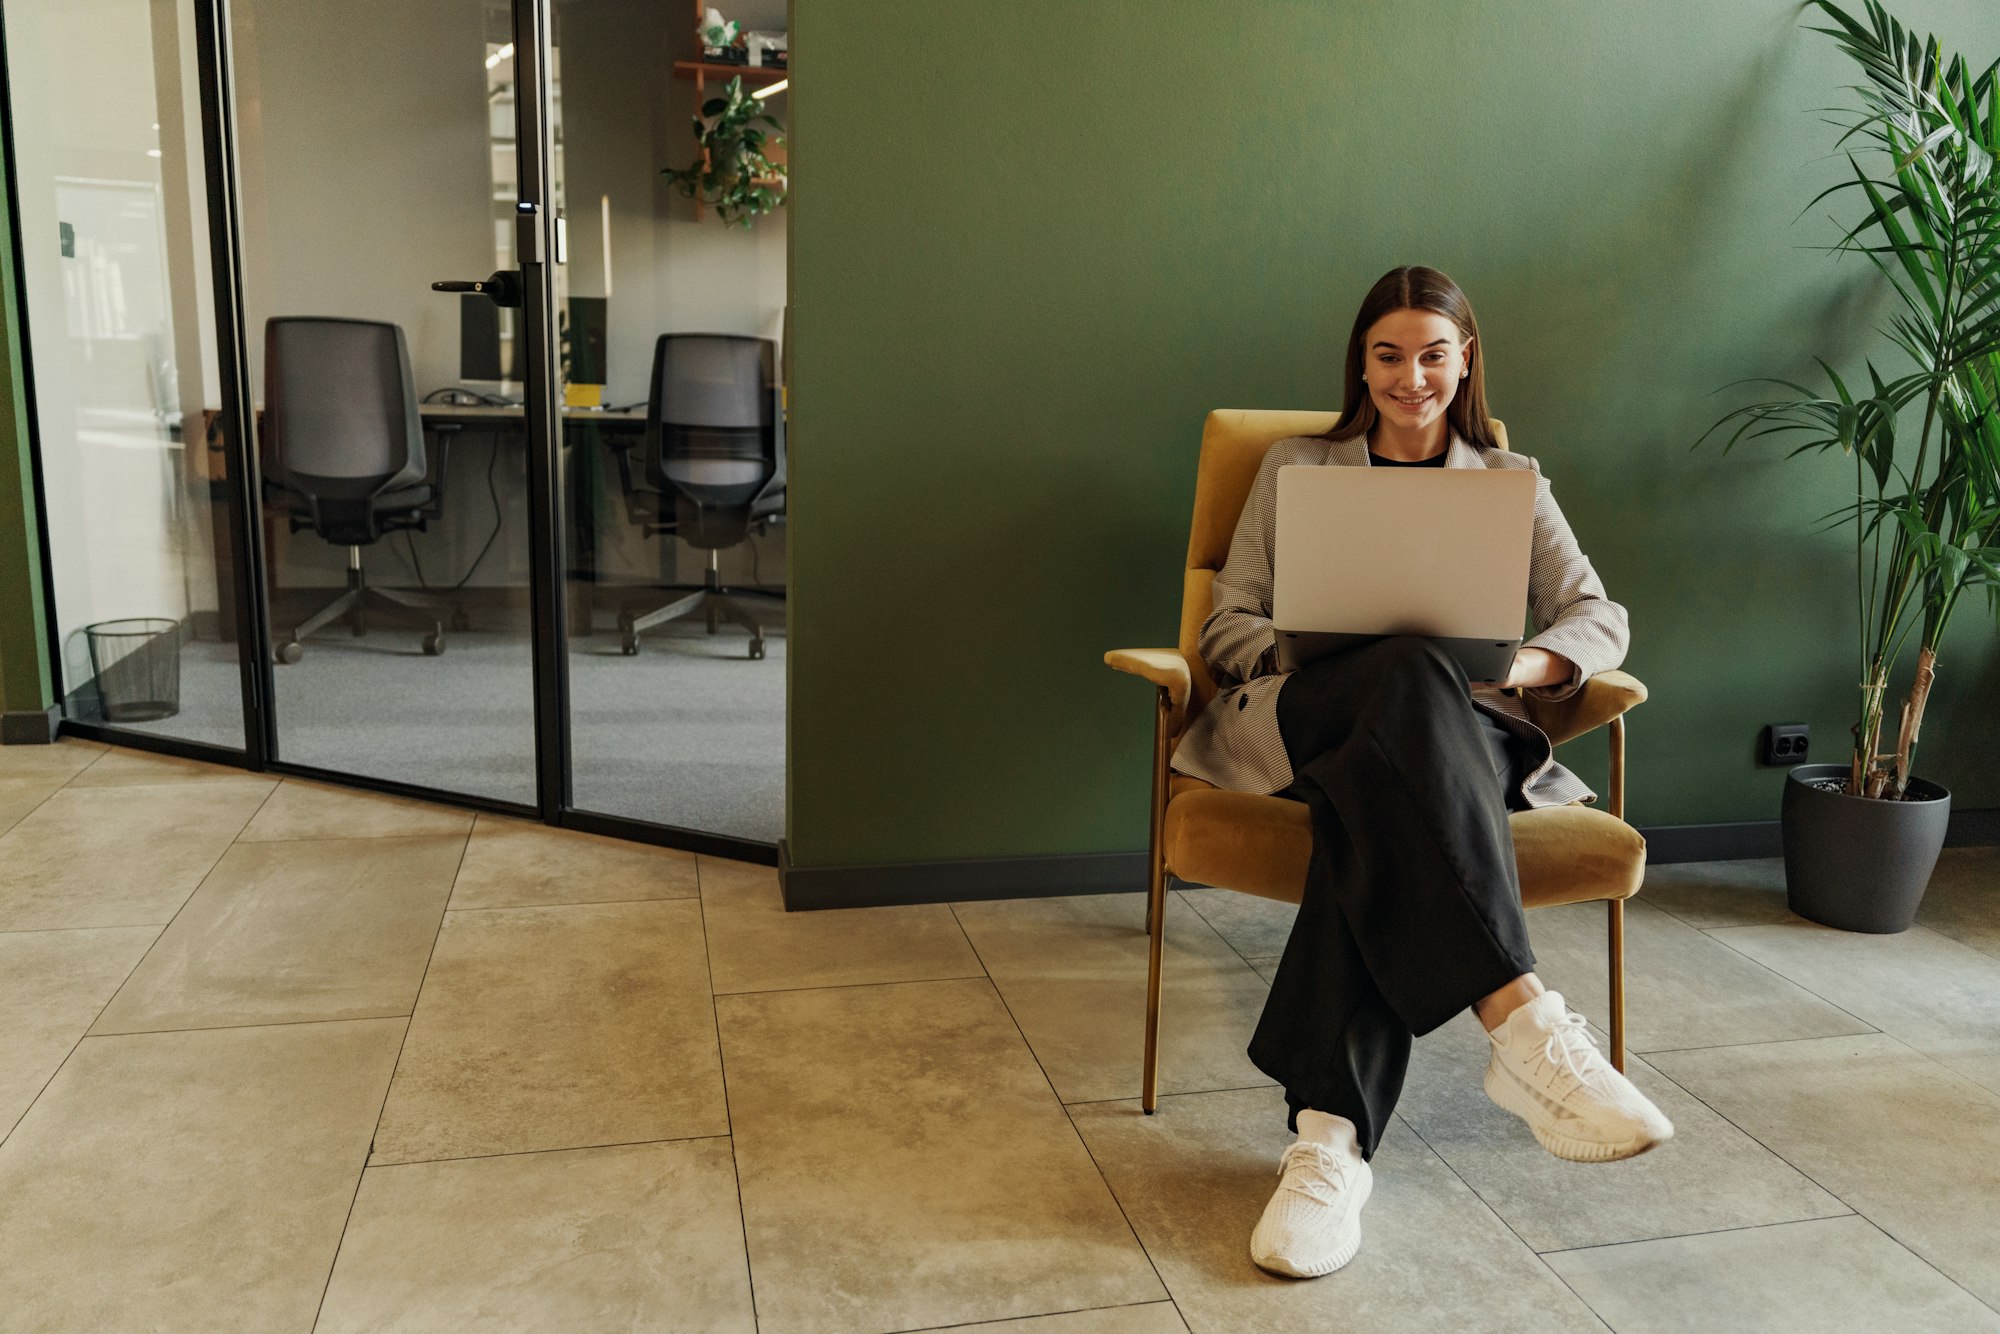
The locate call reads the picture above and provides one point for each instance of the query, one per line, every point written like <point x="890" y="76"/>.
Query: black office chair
<point x="714" y="469"/>
<point x="343" y="455"/>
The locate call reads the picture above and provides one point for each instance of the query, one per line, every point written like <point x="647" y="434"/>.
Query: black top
<point x="1434" y="461"/>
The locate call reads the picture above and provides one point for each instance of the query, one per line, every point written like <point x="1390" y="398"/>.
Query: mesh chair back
<point x="1233" y="444"/>
<point x="712" y="419"/>
<point x="340" y="408"/>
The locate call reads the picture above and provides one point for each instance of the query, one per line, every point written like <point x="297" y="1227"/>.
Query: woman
<point x="1411" y="910"/>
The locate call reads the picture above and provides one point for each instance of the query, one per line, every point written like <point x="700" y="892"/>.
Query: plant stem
<point x="1913" y="716"/>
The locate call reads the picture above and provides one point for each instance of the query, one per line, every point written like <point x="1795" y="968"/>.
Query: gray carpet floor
<point x="691" y="732"/>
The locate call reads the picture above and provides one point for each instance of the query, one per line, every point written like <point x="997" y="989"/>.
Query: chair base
<point x="353" y="605"/>
<point x="715" y="600"/>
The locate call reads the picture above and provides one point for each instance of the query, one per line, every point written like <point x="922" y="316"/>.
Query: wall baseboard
<point x="885" y="884"/>
<point x="30" y="727"/>
<point x="894" y="883"/>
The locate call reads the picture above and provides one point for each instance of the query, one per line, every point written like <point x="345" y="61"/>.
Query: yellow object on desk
<point x="583" y="395"/>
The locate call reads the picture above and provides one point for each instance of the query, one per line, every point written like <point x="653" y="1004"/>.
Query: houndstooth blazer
<point x="1235" y="743"/>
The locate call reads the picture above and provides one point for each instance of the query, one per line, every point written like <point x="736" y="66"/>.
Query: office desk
<point x="491" y="417"/>
<point x="581" y="476"/>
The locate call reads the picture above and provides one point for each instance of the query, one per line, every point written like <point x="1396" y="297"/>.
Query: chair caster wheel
<point x="433" y="643"/>
<point x="756" y="649"/>
<point x="631" y="645"/>
<point x="288" y="653"/>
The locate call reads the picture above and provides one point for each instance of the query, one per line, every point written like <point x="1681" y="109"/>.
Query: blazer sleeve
<point x="1238" y="641"/>
<point x="1566" y="600"/>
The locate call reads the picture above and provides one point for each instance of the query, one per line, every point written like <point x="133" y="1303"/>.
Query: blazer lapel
<point x="1462" y="453"/>
<point x="1349" y="453"/>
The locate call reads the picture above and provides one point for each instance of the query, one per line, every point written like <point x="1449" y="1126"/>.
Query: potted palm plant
<point x="1862" y="838"/>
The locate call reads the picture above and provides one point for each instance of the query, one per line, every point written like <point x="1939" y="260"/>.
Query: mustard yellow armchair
<point x="1261" y="845"/>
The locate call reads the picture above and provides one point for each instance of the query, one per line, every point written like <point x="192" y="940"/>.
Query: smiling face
<point x="1414" y="362"/>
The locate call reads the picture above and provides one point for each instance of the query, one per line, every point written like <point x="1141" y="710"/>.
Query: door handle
<point x="503" y="288"/>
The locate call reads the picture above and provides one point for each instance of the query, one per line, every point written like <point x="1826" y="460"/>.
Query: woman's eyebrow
<point x="1397" y="347"/>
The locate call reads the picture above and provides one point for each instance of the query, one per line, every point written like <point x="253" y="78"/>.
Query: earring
<point x="1464" y="373"/>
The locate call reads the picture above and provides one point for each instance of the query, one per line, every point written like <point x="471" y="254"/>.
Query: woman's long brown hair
<point x="1414" y="287"/>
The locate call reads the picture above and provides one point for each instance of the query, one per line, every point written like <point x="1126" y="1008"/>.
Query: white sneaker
<point x="1547" y="1071"/>
<point x="1312" y="1225"/>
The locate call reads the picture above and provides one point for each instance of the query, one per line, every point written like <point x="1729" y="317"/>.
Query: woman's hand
<point x="1538" y="667"/>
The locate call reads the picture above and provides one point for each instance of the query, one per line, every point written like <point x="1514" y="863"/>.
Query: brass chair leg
<point x="1616" y="924"/>
<point x="1156" y="909"/>
<point x="1617" y="952"/>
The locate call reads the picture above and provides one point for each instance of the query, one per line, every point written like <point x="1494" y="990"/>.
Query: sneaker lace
<point x="1569" y="1050"/>
<point x="1314" y="1171"/>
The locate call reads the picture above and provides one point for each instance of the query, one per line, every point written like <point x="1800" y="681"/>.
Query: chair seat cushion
<point x="1262" y="845"/>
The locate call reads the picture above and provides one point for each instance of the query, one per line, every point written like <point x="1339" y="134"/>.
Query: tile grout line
<point x="143" y="956"/>
<point x="1710" y="932"/>
<point x="1873" y="1030"/>
<point x="577" y="903"/>
<point x="1756" y="1042"/>
<point x="1925" y="1260"/>
<point x="1500" y="1218"/>
<point x="722" y="1073"/>
<point x="1858" y="1213"/>
<point x="368" y="1153"/>
<point x="1195" y="908"/>
<point x="1891" y="1237"/>
<point x="260" y="1023"/>
<point x="851" y="986"/>
<point x="47" y="797"/>
<point x="1177" y="1093"/>
<point x="530" y="1153"/>
<point x="1707" y="1232"/>
<point x="1070" y="1121"/>
<point x="1004" y="1321"/>
<point x="107" y="926"/>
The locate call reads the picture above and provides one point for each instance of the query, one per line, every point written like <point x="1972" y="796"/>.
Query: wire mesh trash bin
<point x="137" y="665"/>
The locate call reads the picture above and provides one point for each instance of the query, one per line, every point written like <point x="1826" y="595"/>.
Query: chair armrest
<point x="1603" y="697"/>
<point x="1164" y="667"/>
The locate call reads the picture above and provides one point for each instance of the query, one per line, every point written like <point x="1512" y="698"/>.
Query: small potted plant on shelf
<point x="1862" y="838"/>
<point x="733" y="174"/>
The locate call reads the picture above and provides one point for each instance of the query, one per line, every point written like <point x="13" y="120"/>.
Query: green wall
<point x="24" y="660"/>
<point x="1033" y="243"/>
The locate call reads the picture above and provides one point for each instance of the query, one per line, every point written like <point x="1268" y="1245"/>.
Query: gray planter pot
<point x="1859" y="863"/>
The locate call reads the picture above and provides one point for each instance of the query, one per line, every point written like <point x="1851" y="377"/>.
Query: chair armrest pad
<point x="1164" y="667"/>
<point x="1603" y="697"/>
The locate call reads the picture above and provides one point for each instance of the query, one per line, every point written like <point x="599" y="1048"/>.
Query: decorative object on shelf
<point x="733" y="175"/>
<point x="765" y="49"/>
<point x="1932" y="211"/>
<point x="718" y="36"/>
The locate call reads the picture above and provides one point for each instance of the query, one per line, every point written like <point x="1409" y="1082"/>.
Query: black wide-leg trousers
<point x="1412" y="907"/>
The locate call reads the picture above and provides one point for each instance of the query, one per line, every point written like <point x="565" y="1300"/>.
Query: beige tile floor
<point x="276" y="1056"/>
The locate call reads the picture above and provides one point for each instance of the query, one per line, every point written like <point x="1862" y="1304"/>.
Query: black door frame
<point x="535" y="248"/>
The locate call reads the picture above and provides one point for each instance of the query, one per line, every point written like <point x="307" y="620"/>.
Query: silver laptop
<point x="1368" y="552"/>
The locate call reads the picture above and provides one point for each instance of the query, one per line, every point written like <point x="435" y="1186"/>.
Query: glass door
<point x="389" y="306"/>
<point x="671" y="313"/>
<point x="109" y="202"/>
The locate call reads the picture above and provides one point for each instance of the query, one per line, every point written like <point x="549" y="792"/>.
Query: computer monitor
<point x="480" y="353"/>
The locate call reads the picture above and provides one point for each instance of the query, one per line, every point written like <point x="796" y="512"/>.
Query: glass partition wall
<point x="112" y="224"/>
<point x="374" y="157"/>
<point x="673" y="438"/>
<point x="471" y="435"/>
